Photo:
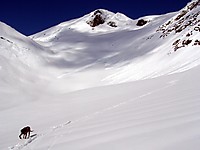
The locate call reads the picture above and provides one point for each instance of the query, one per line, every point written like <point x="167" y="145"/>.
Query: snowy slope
<point x="122" y="85"/>
<point x="160" y="113"/>
<point x="21" y="60"/>
<point x="123" y="53"/>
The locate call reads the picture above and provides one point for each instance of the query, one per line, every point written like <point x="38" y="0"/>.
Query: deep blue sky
<point x="32" y="16"/>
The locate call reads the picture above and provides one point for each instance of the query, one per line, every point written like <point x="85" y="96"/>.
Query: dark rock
<point x="197" y="29"/>
<point x="112" y="24"/>
<point x="197" y="42"/>
<point x="186" y="42"/>
<point x="97" y="12"/>
<point x="98" y="19"/>
<point x="193" y="5"/>
<point x="141" y="22"/>
<point x="176" y="42"/>
<point x="181" y="15"/>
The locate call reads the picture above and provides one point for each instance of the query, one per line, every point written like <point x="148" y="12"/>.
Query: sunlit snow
<point x="111" y="87"/>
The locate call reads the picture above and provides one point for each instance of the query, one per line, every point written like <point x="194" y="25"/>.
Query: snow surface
<point x="103" y="87"/>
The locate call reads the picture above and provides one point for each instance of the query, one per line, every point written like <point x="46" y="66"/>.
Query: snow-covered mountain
<point x="127" y="51"/>
<point x="123" y="83"/>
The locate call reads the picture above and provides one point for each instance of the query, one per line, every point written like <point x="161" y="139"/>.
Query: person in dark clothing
<point x="25" y="132"/>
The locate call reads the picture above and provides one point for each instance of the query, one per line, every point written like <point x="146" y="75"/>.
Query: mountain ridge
<point x="72" y="50"/>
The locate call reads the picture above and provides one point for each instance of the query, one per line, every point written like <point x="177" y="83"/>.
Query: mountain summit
<point x="104" y="17"/>
<point x="100" y="20"/>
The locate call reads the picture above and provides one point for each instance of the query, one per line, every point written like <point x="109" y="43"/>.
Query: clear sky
<point x="32" y="16"/>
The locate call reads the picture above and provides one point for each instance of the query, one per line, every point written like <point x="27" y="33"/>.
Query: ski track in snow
<point x="84" y="118"/>
<point x="20" y="146"/>
<point x="87" y="117"/>
<point x="34" y="137"/>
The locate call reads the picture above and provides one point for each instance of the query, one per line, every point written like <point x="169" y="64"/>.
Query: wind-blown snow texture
<point x="102" y="82"/>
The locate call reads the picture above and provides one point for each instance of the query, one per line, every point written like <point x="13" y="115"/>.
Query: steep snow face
<point x="21" y="60"/>
<point x="17" y="46"/>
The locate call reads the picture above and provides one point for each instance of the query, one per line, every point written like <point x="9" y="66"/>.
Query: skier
<point x="25" y="132"/>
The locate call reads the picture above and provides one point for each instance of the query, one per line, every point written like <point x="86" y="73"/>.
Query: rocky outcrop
<point x="141" y="22"/>
<point x="97" y="19"/>
<point x="179" y="43"/>
<point x="112" y="24"/>
<point x="100" y="17"/>
<point x="187" y="20"/>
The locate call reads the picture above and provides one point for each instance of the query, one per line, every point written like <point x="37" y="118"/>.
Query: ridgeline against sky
<point x="30" y="17"/>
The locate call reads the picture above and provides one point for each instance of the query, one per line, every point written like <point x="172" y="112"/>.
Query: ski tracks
<point x="34" y="137"/>
<point x="126" y="102"/>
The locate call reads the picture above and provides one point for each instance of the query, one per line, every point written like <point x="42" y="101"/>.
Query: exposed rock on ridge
<point x="187" y="20"/>
<point x="101" y="16"/>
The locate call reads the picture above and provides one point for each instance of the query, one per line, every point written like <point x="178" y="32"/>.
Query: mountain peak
<point x="99" y="20"/>
<point x="99" y="17"/>
<point x="102" y="16"/>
